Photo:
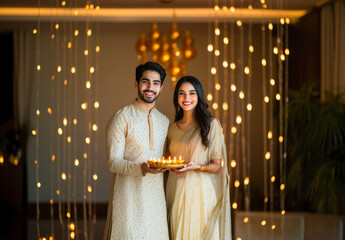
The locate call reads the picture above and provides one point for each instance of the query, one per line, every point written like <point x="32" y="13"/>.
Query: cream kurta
<point x="137" y="207"/>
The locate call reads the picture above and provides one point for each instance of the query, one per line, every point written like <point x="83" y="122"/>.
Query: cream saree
<point x="198" y="203"/>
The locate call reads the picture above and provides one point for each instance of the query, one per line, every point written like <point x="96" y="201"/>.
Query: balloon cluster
<point x="167" y="49"/>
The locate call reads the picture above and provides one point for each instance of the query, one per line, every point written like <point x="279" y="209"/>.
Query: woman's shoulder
<point x="215" y="124"/>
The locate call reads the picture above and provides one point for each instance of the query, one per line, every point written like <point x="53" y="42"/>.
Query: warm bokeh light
<point x="269" y="134"/>
<point x="213" y="71"/>
<point x="249" y="107"/>
<point x="268" y="155"/>
<point x="246" y="181"/>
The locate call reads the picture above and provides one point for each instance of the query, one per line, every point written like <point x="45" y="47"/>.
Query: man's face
<point x="149" y="86"/>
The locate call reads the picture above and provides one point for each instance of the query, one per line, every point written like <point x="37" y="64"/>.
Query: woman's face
<point x="187" y="96"/>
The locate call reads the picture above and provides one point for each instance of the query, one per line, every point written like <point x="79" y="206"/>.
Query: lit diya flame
<point x="164" y="161"/>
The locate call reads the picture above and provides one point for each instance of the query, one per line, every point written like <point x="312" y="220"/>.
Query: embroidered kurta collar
<point x="141" y="108"/>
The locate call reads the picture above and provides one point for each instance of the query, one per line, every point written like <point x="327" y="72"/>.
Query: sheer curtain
<point x="22" y="77"/>
<point x="333" y="47"/>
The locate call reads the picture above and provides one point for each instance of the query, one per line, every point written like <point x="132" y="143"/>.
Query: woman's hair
<point x="201" y="113"/>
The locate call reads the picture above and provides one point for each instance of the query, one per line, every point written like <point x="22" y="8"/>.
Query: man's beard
<point x="148" y="100"/>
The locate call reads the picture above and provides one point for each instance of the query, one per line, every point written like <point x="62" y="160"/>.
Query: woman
<point x="197" y="195"/>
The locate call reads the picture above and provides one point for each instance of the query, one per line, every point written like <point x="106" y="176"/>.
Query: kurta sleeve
<point x="116" y="142"/>
<point x="215" y="141"/>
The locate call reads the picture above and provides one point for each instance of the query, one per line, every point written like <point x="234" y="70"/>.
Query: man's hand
<point x="145" y="168"/>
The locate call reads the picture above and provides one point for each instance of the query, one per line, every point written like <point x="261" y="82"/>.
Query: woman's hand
<point x="187" y="167"/>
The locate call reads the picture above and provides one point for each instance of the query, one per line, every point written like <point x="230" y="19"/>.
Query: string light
<point x="233" y="87"/>
<point x="246" y="181"/>
<point x="246" y="70"/>
<point x="281" y="138"/>
<point x="84" y="106"/>
<point x="69" y="45"/>
<point x="225" y="64"/>
<point x="263" y="62"/>
<point x="226" y="40"/>
<point x="278" y="96"/>
<point x="209" y="97"/>
<point x="213" y="71"/>
<point x="94" y="127"/>
<point x="245" y="220"/>
<point x="238" y="119"/>
<point x="272" y="82"/>
<point x="239" y="23"/>
<point x="234" y="205"/>
<point x="233" y="130"/>
<point x="217" y="52"/>
<point x="217" y="86"/>
<point x="251" y="48"/>
<point x="96" y="104"/>
<point x="233" y="66"/>
<point x="225" y="106"/>
<point x="266" y="99"/>
<point x="237" y="183"/>
<point x="241" y="94"/>
<point x="95" y="177"/>
<point x="98" y="48"/>
<point x="273" y="178"/>
<point x="210" y="47"/>
<point x="263" y="222"/>
<point x="269" y="135"/>
<point x="233" y="163"/>
<point x="215" y="106"/>
<point x="76" y="162"/>
<point x="249" y="107"/>
<point x="275" y="50"/>
<point x="268" y="155"/>
<point x="88" y="84"/>
<point x="217" y="31"/>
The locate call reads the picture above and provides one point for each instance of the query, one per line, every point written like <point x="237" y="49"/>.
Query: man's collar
<point x="142" y="108"/>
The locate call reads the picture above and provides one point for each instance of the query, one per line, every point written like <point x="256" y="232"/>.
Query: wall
<point x="118" y="60"/>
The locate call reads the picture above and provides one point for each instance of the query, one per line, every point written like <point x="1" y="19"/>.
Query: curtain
<point x="22" y="77"/>
<point x="333" y="47"/>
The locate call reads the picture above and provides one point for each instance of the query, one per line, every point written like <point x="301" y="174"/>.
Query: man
<point x="135" y="134"/>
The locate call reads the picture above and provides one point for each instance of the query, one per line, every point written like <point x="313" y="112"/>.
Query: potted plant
<point x="316" y="177"/>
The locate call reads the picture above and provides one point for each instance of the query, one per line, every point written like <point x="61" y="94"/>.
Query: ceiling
<point x="287" y="4"/>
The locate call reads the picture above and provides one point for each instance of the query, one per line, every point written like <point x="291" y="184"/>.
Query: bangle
<point x="204" y="168"/>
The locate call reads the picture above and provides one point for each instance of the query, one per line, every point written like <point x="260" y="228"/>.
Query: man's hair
<point x="151" y="66"/>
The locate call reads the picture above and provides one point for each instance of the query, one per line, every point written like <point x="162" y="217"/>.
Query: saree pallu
<point x="198" y="203"/>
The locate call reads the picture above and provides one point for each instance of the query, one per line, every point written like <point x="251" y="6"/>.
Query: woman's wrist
<point x="203" y="168"/>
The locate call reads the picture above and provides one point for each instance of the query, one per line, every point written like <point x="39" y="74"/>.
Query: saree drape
<point x="198" y="203"/>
